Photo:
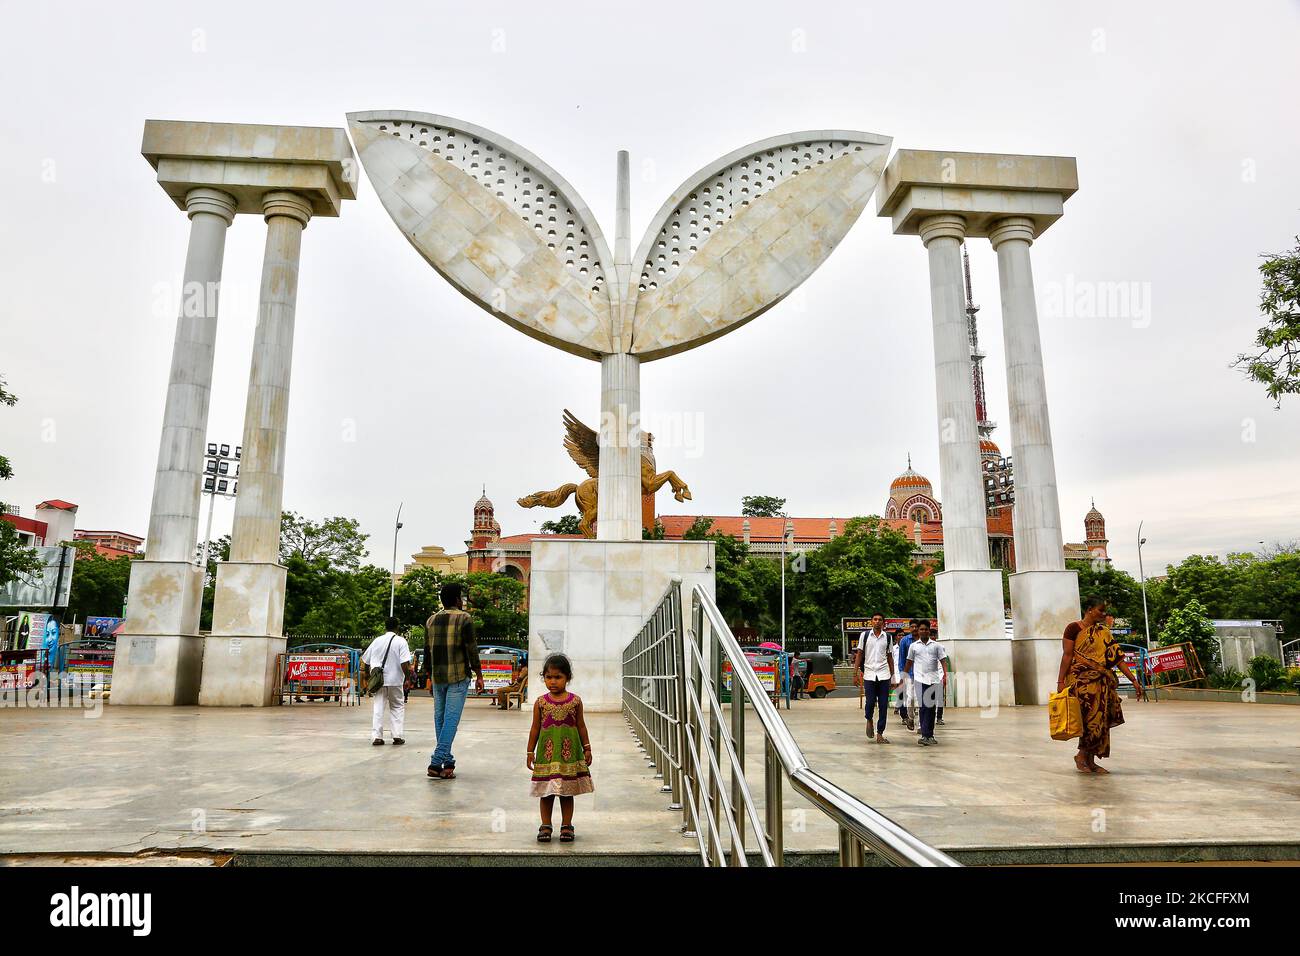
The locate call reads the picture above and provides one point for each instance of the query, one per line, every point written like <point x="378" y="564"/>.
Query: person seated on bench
<point x="516" y="687"/>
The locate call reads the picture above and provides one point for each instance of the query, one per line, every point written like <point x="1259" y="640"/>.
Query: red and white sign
<point x="316" y="668"/>
<point x="1166" y="659"/>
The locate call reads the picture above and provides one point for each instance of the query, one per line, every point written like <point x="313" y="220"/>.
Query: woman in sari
<point x="1088" y="659"/>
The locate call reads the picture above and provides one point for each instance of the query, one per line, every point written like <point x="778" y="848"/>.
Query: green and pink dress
<point x="559" y="765"/>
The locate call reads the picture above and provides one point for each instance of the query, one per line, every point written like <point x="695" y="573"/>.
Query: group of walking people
<point x="559" y="748"/>
<point x="914" y="668"/>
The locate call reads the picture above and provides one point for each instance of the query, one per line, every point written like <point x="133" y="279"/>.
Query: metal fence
<point x="672" y="674"/>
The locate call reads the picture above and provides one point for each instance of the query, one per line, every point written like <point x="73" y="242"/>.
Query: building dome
<point x="1094" y="515"/>
<point x="989" y="449"/>
<point x="910" y="483"/>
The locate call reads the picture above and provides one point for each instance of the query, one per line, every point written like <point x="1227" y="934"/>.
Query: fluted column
<point x="248" y="610"/>
<point x="965" y="530"/>
<point x="618" y="506"/>
<point x="255" y="535"/>
<point x="1037" y="507"/>
<point x="174" y="515"/>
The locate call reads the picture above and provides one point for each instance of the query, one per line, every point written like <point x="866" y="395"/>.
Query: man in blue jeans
<point x="450" y="658"/>
<point x="874" y="667"/>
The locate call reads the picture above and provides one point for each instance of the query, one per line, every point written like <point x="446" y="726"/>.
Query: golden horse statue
<point x="583" y="445"/>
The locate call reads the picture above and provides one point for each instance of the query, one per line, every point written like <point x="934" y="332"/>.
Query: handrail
<point x="671" y="676"/>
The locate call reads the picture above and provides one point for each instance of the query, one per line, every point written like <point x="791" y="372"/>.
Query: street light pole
<point x="786" y="532"/>
<point x="392" y="578"/>
<point x="1146" y="620"/>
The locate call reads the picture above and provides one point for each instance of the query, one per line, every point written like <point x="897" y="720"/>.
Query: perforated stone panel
<point x="495" y="222"/>
<point x="743" y="235"/>
<point x="538" y="201"/>
<point x="719" y="199"/>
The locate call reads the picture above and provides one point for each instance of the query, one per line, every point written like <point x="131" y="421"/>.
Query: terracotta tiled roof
<point x="533" y="536"/>
<point x="58" y="503"/>
<point x="805" y="529"/>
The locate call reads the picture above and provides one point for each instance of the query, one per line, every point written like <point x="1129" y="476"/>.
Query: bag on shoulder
<point x="376" y="682"/>
<point x="1064" y="717"/>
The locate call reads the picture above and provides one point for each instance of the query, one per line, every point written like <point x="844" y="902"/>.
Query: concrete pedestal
<point x="1042" y="604"/>
<point x="972" y="629"/>
<point x="159" y="658"/>
<point x="247" y="633"/>
<point x="588" y="599"/>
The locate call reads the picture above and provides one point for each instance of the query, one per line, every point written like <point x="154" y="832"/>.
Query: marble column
<point x="248" y="612"/>
<point x="968" y="593"/>
<point x="159" y="655"/>
<point x="1044" y="595"/>
<point x="618" y="506"/>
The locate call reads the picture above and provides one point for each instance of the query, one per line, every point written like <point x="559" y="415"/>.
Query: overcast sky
<point x="1182" y="119"/>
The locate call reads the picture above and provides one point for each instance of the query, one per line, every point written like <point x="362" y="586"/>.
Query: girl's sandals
<point x="544" y="833"/>
<point x="566" y="833"/>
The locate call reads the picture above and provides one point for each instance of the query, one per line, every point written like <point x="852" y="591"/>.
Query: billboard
<point x="48" y="587"/>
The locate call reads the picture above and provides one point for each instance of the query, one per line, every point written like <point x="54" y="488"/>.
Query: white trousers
<point x="391" y="700"/>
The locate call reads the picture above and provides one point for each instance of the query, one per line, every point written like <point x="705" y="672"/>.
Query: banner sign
<point x="498" y="671"/>
<point x="316" y="668"/>
<point x="102" y="626"/>
<point x="765" y="667"/>
<point x="1167" y="659"/>
<point x="18" y="669"/>
<point x="855" y="627"/>
<point x="87" y="665"/>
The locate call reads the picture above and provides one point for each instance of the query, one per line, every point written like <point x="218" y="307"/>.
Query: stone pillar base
<point x="972" y="629"/>
<point x="587" y="599"/>
<point x="239" y="671"/>
<point x="1042" y="604"/>
<point x="157" y="669"/>
<point x="159" y="655"/>
<point x="247" y="634"/>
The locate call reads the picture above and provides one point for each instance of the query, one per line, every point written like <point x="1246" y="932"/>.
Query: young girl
<point x="559" y="750"/>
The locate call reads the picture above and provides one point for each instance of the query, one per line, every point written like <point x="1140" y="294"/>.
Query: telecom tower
<point x="976" y="356"/>
<point x="999" y="474"/>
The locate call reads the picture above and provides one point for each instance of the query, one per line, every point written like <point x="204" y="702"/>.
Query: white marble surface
<point x="961" y="475"/>
<point x="1037" y="506"/>
<point x="1042" y="604"/>
<point x="972" y="629"/>
<point x="588" y="599"/>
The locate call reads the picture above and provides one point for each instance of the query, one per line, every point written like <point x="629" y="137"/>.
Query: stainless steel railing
<point x="672" y="687"/>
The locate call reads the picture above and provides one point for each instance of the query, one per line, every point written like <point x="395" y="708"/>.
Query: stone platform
<point x="1189" y="781"/>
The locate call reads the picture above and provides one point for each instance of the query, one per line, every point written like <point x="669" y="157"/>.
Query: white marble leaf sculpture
<point x="508" y="231"/>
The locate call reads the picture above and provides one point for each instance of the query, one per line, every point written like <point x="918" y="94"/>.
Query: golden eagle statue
<point x="583" y="445"/>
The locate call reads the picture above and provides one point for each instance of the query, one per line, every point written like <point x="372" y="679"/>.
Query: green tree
<point x="1190" y="625"/>
<point x="1121" y="591"/>
<point x="866" y="569"/>
<point x="495" y="601"/>
<point x="567" y="524"/>
<point x="762" y="506"/>
<point x="653" y="534"/>
<point x="99" y="584"/>
<point x="1275" y="363"/>
<point x="416" y="596"/>
<point x="15" y="560"/>
<point x="338" y="541"/>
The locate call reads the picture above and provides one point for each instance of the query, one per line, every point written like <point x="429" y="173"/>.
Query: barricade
<point x="322" y="671"/>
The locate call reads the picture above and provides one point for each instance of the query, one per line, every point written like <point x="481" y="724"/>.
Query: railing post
<point x="715" y="738"/>
<point x="772" y="774"/>
<point x="850" y="848"/>
<point x="683" y="711"/>
<point x="738" y="742"/>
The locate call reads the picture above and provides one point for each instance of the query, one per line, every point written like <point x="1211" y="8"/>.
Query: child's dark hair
<point x="558" y="662"/>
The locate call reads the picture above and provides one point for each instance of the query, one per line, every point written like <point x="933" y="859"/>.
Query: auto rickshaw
<point x="819" y="674"/>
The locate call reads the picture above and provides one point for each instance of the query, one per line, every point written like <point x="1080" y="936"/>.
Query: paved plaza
<point x="1189" y="781"/>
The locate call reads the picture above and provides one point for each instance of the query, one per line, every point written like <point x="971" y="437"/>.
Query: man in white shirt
<point x="927" y="663"/>
<point x="389" y="652"/>
<point x="873" y="665"/>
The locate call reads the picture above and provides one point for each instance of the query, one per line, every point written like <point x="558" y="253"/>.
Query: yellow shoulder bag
<point x="1064" y="717"/>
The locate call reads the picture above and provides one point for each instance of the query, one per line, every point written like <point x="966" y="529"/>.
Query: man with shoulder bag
<point x="385" y="667"/>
